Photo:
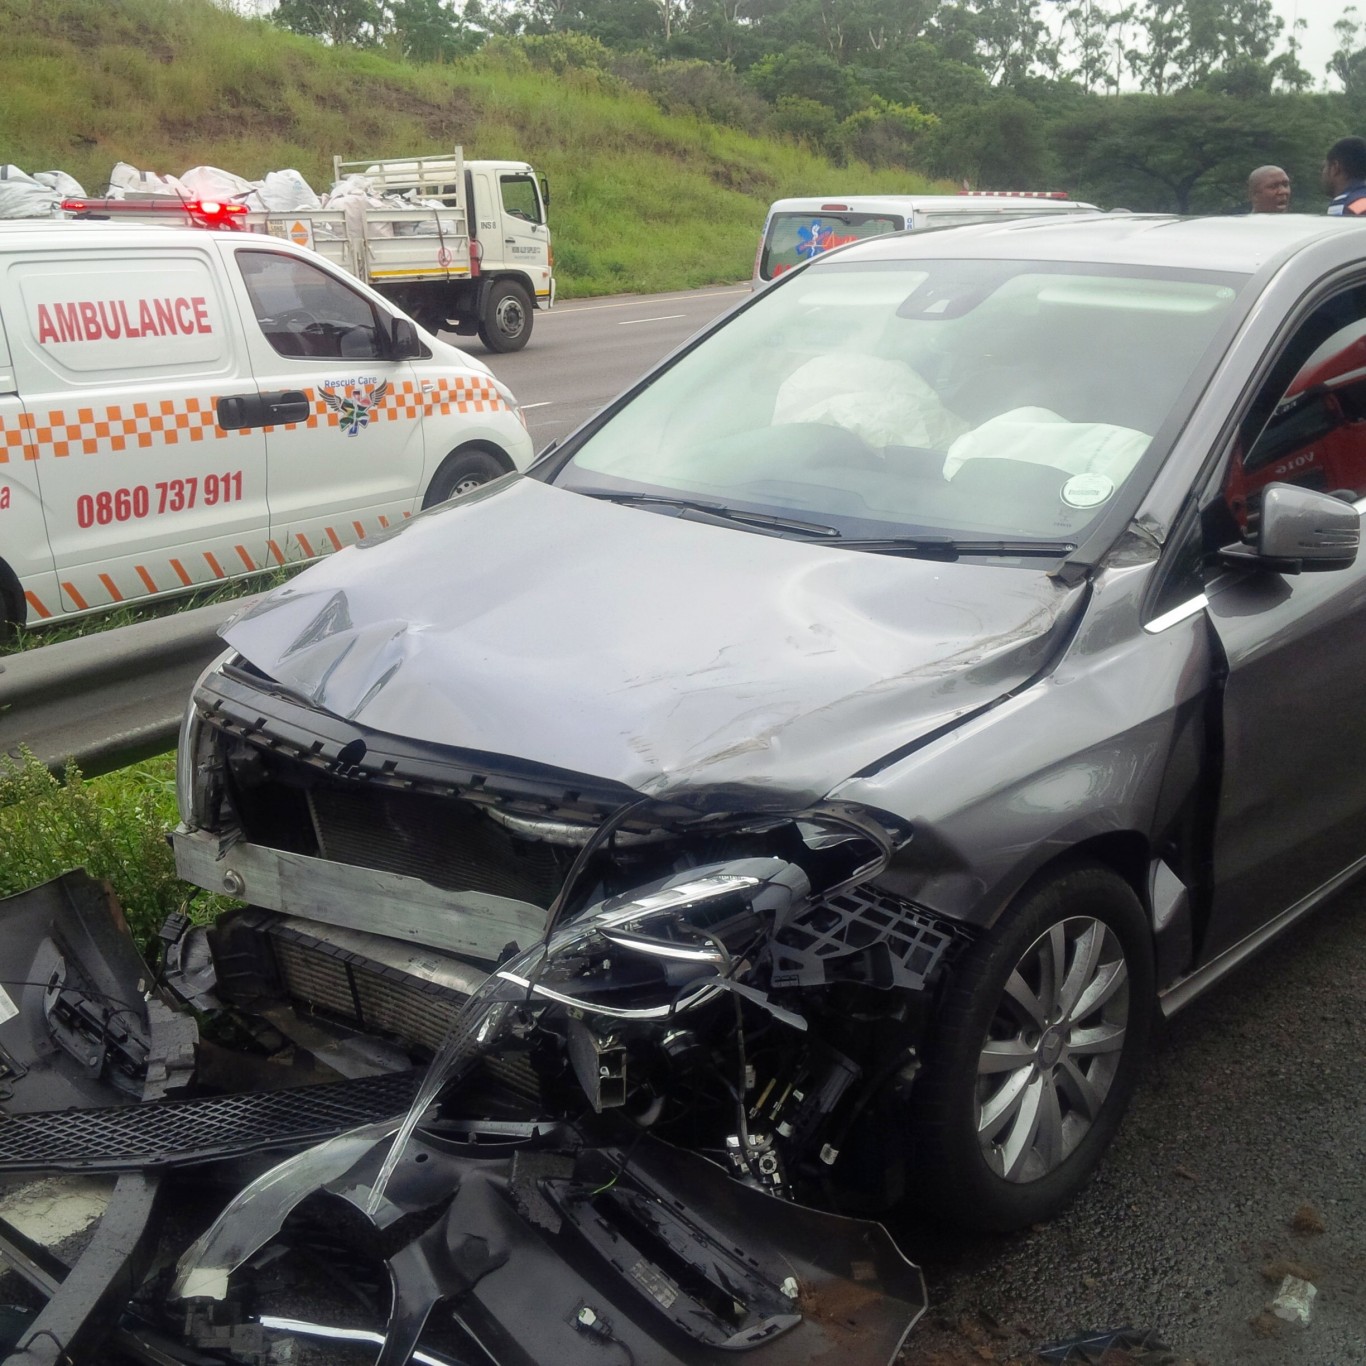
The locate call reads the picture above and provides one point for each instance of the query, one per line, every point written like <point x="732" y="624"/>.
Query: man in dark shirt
<point x="1344" y="177"/>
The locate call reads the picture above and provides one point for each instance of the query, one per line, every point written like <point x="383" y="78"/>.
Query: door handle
<point x="289" y="405"/>
<point x="237" y="412"/>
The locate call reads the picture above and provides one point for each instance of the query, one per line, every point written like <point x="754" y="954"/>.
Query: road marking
<point x="666" y="318"/>
<point x="563" y="310"/>
<point x="544" y="403"/>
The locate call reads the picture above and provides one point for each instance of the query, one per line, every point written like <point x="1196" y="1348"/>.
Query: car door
<point x="121" y="352"/>
<point x="342" y="420"/>
<point x="24" y="550"/>
<point x="1292" y="808"/>
<point x="525" y="244"/>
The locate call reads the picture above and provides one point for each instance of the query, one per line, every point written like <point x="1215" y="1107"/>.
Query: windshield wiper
<point x="718" y="510"/>
<point x="946" y="548"/>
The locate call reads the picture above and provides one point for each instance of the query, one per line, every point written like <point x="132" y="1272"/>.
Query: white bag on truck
<point x="68" y="187"/>
<point x="127" y="181"/>
<point x="284" y="192"/>
<point x="208" y="182"/>
<point x="23" y="197"/>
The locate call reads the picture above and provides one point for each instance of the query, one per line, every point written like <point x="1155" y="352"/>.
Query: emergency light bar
<point x="203" y="213"/>
<point x="1017" y="194"/>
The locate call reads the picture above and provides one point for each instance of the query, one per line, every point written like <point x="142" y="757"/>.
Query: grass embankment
<point x="640" y="200"/>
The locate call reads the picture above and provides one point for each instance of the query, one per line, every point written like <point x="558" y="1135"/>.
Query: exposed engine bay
<point x="649" y="1055"/>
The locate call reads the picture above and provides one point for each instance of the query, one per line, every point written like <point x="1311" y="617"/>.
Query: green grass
<point x="114" y="827"/>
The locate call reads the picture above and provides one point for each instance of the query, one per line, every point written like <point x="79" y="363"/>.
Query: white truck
<point x="470" y="253"/>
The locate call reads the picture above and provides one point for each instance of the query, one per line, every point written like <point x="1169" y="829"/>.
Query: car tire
<point x="506" y="324"/>
<point x="460" y="472"/>
<point x="1033" y="1055"/>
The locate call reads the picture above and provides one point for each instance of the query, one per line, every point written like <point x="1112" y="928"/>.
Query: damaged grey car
<point x="801" y="791"/>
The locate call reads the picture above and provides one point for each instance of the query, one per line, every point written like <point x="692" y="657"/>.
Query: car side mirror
<point x="406" y="343"/>
<point x="1300" y="530"/>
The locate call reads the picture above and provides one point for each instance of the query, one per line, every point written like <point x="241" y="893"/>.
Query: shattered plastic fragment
<point x="1294" y="1300"/>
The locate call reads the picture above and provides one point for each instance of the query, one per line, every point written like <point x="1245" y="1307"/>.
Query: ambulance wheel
<point x="460" y="472"/>
<point x="506" y="325"/>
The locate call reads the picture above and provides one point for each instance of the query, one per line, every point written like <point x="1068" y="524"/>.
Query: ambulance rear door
<point x="25" y="557"/>
<point x="122" y="354"/>
<point x="351" y="463"/>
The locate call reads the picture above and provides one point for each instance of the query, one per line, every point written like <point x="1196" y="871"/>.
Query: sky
<point x="1317" y="40"/>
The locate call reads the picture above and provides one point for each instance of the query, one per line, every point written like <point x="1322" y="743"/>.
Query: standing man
<point x="1268" y="190"/>
<point x="1344" y="177"/>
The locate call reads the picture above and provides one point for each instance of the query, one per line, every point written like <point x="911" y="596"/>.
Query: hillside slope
<point x="641" y="201"/>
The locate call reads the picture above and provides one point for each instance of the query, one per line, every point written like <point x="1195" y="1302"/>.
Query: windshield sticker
<point x="816" y="238"/>
<point x="1087" y="490"/>
<point x="354" y="402"/>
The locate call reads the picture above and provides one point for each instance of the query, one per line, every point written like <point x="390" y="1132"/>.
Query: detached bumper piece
<point x="582" y="1258"/>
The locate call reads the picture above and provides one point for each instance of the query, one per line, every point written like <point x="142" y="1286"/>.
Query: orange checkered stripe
<point x="408" y="399"/>
<point x="139" y="426"/>
<point x="119" y="427"/>
<point x="186" y="571"/>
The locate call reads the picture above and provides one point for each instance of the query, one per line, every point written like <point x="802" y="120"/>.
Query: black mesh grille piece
<point x="182" y="1132"/>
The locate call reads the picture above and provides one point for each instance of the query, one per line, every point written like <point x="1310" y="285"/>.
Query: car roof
<point x="1241" y="243"/>
<point x="963" y="203"/>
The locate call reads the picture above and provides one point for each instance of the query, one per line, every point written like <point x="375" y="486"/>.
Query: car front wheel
<point x="1034" y="1054"/>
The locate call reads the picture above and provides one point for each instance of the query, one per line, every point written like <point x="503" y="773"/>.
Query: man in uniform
<point x="1344" y="177"/>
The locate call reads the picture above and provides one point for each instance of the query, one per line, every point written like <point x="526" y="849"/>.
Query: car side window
<point x="520" y="198"/>
<point x="1308" y="424"/>
<point x="304" y="311"/>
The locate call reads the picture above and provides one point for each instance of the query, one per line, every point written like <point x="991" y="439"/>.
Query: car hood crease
<point x="658" y="652"/>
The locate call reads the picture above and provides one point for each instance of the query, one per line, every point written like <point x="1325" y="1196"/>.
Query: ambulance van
<point x="179" y="407"/>
<point x="798" y="229"/>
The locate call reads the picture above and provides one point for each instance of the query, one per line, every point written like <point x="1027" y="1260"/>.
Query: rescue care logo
<point x="92" y="320"/>
<point x="354" y="401"/>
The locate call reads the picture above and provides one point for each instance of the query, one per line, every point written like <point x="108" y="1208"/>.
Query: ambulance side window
<point x="304" y="311"/>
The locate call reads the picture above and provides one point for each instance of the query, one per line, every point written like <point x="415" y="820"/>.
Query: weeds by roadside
<point x="114" y="827"/>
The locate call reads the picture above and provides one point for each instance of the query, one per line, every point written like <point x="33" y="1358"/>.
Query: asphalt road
<point x="585" y="352"/>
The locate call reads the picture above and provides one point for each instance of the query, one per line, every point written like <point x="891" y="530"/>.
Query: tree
<point x="433" y="31"/>
<point x="1348" y="62"/>
<point x="1188" y="152"/>
<point x="343" y="23"/>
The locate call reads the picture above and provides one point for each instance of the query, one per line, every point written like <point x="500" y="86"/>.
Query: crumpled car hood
<point x="664" y="654"/>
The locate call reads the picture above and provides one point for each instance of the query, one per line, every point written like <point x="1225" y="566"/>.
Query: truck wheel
<point x="460" y="472"/>
<point x="506" y="324"/>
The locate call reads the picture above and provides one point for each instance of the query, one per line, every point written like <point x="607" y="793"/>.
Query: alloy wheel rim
<point x="1052" y="1049"/>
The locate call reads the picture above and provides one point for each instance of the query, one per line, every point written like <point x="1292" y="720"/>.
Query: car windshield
<point x="939" y="399"/>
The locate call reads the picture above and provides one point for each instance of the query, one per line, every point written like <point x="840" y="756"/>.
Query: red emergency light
<point x="202" y="213"/>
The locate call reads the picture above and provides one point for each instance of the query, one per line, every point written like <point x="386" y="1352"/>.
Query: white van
<point x="180" y="406"/>
<point x="798" y="229"/>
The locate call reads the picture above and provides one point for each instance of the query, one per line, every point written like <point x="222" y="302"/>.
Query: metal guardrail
<point x="109" y="699"/>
